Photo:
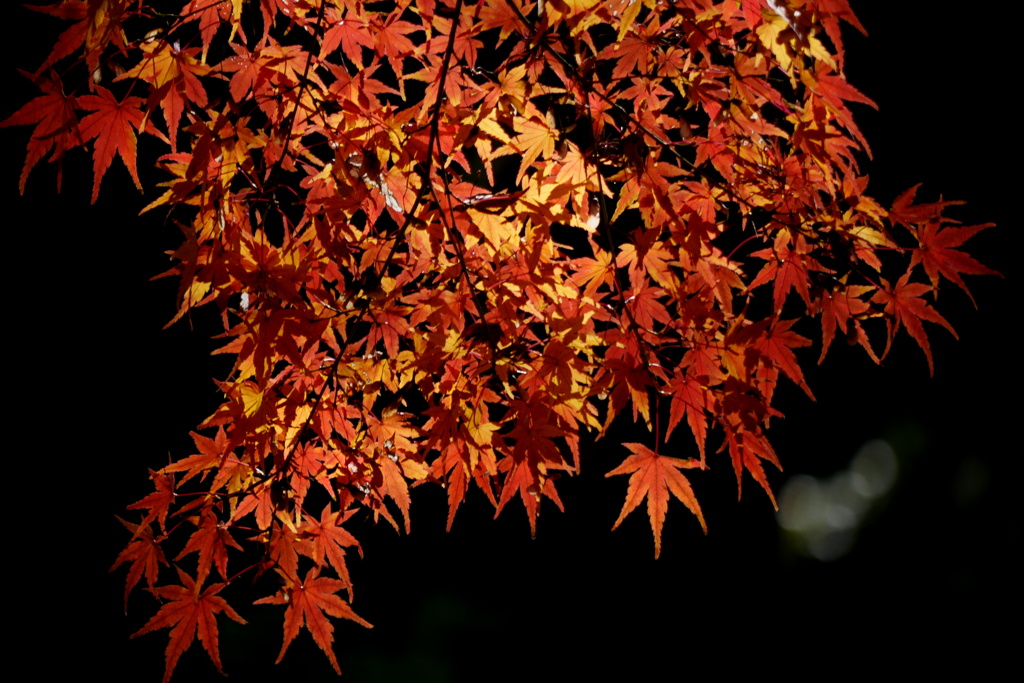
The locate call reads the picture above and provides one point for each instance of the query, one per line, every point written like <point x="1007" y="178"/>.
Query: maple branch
<point x="432" y="141"/>
<point x="354" y="308"/>
<point x="303" y="83"/>
<point x="365" y="302"/>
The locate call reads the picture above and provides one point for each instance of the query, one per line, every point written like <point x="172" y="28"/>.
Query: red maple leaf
<point x="188" y="612"/>
<point x="159" y="502"/>
<point x="747" y="449"/>
<point x="775" y="345"/>
<point x="841" y="307"/>
<point x="939" y="256"/>
<point x="284" y="549"/>
<point x="56" y="125"/>
<point x="97" y="24"/>
<point x="654" y="476"/>
<point x="834" y="89"/>
<point x="111" y="124"/>
<point x="905" y="212"/>
<point x="74" y="36"/>
<point x="351" y="34"/>
<point x="210" y="16"/>
<point x="145" y="555"/>
<point x="390" y="40"/>
<point x="787" y="268"/>
<point x="689" y="398"/>
<point x="307" y="602"/>
<point x="905" y="307"/>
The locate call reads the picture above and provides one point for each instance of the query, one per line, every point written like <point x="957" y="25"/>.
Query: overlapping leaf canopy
<point x="446" y="236"/>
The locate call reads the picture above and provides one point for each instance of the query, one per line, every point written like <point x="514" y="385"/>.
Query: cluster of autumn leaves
<point x="447" y="236"/>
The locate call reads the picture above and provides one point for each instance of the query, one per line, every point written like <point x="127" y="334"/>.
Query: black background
<point x="97" y="393"/>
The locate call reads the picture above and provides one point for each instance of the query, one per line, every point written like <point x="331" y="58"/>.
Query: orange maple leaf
<point x="307" y="601"/>
<point x="330" y="540"/>
<point x="188" y="612"/>
<point x="211" y="541"/>
<point x="688" y="398"/>
<point x="536" y="138"/>
<point x="654" y="476"/>
<point x="173" y="75"/>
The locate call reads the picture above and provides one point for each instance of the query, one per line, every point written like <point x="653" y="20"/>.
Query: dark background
<point x="98" y="392"/>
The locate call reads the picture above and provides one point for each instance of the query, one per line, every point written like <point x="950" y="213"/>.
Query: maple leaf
<point x="187" y="613"/>
<point x="654" y="477"/>
<point x="111" y="124"/>
<point x="590" y="274"/>
<point x="905" y="212"/>
<point x="939" y="256"/>
<point x="775" y="346"/>
<point x="307" y="602"/>
<point x="211" y="540"/>
<point x="98" y="24"/>
<point x="210" y="16"/>
<point x="688" y="398"/>
<point x="535" y="138"/>
<point x="842" y="307"/>
<point x="787" y="268"/>
<point x="330" y="540"/>
<point x="502" y="15"/>
<point x="351" y="34"/>
<point x="159" y="502"/>
<point x="173" y="75"/>
<point x="831" y="11"/>
<point x="213" y="454"/>
<point x="74" y="36"/>
<point x="835" y="89"/>
<point x="532" y="460"/>
<point x="907" y="309"/>
<point x="145" y="555"/>
<point x="747" y="448"/>
<point x="391" y="40"/>
<point x="56" y="125"/>
<point x="284" y="548"/>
